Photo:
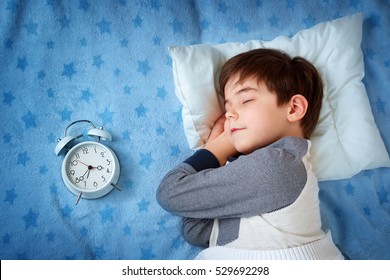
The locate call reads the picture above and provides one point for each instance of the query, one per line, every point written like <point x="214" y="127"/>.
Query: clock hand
<point x="82" y="176"/>
<point x="89" y="166"/>
<point x="82" y="162"/>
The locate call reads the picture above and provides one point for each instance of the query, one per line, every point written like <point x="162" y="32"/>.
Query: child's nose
<point x="231" y="115"/>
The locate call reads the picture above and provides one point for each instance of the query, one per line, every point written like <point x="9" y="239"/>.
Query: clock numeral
<point x="108" y="170"/>
<point x="85" y="150"/>
<point x="79" y="179"/>
<point x="77" y="155"/>
<point x="95" y="184"/>
<point x="74" y="163"/>
<point x="72" y="172"/>
<point x="102" y="154"/>
<point x="95" y="150"/>
<point x="108" y="161"/>
<point x="104" y="179"/>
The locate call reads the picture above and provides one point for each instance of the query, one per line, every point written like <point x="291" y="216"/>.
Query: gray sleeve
<point x="197" y="231"/>
<point x="262" y="182"/>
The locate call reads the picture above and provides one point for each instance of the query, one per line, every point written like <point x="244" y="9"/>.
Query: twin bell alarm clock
<point x="90" y="169"/>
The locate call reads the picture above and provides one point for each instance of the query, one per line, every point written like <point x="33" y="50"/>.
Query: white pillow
<point x="346" y="139"/>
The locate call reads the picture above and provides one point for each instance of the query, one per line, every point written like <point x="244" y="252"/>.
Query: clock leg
<point x="116" y="186"/>
<point x="78" y="198"/>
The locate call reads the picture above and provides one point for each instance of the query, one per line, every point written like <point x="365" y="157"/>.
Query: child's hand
<point x="218" y="128"/>
<point x="219" y="143"/>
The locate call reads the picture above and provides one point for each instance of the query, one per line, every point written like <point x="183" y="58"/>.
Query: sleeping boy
<point x="264" y="203"/>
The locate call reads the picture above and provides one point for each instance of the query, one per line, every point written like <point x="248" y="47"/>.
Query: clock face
<point x="90" y="166"/>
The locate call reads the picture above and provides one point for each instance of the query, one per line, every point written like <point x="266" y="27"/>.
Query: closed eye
<point x="247" y="101"/>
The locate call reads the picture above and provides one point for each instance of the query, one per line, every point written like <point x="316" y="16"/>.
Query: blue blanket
<point x="107" y="61"/>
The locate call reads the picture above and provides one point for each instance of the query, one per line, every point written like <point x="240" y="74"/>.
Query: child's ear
<point x="297" y="108"/>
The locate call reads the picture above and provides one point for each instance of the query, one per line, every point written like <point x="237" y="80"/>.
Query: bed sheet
<point x="108" y="62"/>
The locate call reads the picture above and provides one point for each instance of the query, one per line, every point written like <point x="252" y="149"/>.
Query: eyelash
<point x="246" y="101"/>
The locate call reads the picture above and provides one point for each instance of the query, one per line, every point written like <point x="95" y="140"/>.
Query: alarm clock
<point x="90" y="169"/>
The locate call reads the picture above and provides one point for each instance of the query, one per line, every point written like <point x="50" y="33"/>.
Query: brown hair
<point x="282" y="75"/>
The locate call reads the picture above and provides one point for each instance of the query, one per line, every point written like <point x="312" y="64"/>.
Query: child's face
<point x="253" y="118"/>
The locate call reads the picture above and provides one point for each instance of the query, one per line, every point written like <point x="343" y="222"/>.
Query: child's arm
<point x="197" y="231"/>
<point x="261" y="182"/>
